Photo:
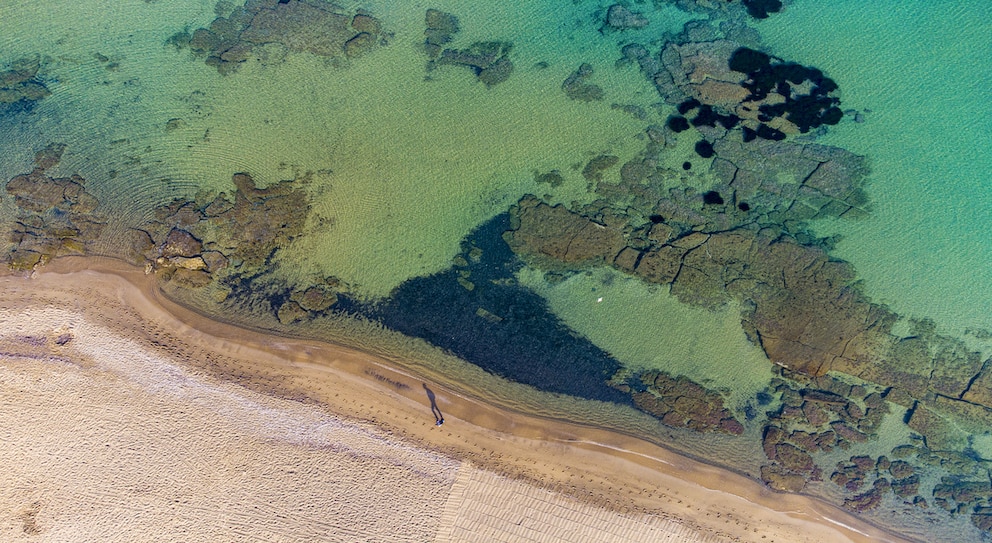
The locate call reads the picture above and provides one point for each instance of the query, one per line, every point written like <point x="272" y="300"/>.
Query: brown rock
<point x="867" y="501"/>
<point x="619" y="17"/>
<point x="441" y="28"/>
<point x="367" y="24"/>
<point x="497" y="72"/>
<point x="301" y="26"/>
<point x="290" y="312"/>
<point x="316" y="298"/>
<point x="954" y="366"/>
<point x="793" y="459"/>
<point x="940" y="434"/>
<point x="847" y="433"/>
<point x="554" y="234"/>
<point x="815" y="414"/>
<point x="778" y="479"/>
<point x="180" y="243"/>
<point x="627" y="259"/>
<point x="215" y="260"/>
<point x="492" y="56"/>
<point x="357" y="46"/>
<point x="595" y="168"/>
<point x="661" y="265"/>
<point x="576" y="87"/>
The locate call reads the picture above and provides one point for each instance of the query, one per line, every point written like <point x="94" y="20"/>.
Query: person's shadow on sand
<point x="438" y="417"/>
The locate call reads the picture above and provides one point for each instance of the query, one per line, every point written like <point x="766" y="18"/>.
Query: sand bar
<point x="126" y="417"/>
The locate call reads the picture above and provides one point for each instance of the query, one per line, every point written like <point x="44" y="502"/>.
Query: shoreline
<point x="605" y="469"/>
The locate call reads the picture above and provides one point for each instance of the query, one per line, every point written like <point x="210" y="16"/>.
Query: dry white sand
<point x="124" y="418"/>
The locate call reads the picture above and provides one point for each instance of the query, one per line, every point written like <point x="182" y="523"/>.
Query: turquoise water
<point x="923" y="71"/>
<point x="399" y="164"/>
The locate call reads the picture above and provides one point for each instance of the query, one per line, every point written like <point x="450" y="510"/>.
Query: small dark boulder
<point x="759" y="9"/>
<point x="747" y="60"/>
<point x="712" y="197"/>
<point x="704" y="149"/>
<point x="677" y="123"/>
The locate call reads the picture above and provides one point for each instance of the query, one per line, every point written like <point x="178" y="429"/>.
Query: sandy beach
<point x="124" y="417"/>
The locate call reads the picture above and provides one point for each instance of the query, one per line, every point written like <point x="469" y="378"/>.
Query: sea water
<point x="920" y="73"/>
<point x="401" y="163"/>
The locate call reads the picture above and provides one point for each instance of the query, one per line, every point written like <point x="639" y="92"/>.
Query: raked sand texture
<point x="124" y="418"/>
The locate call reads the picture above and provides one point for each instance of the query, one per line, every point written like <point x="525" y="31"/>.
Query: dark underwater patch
<point x="477" y="312"/>
<point x="760" y="9"/>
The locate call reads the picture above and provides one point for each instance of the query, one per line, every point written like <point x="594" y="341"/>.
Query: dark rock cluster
<point x="821" y="416"/>
<point x="897" y="476"/>
<point x="190" y="241"/>
<point x="20" y="87"/>
<point x="725" y="84"/>
<point x="57" y="216"/>
<point x="682" y="403"/>
<point x="619" y="17"/>
<point x="576" y="87"/>
<point x="311" y="26"/>
<point x="490" y="60"/>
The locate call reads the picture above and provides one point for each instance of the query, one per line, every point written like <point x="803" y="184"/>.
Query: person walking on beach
<point x="438" y="417"/>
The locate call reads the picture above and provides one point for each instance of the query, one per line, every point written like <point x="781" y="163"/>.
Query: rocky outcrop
<point x="20" y="87"/>
<point x="441" y="29"/>
<point x="57" y="216"/>
<point x="576" y="86"/>
<point x="191" y="241"/>
<point x="318" y="28"/>
<point x="489" y="60"/>
<point x="619" y="17"/>
<point x="682" y="403"/>
<point x="557" y="237"/>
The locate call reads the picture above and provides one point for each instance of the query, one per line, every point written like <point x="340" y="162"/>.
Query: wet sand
<point x="126" y="417"/>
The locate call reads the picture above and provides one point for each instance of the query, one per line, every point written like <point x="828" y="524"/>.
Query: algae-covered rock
<point x="556" y="236"/>
<point x="576" y="87"/>
<point x="780" y="479"/>
<point x="681" y="402"/>
<point x="489" y="60"/>
<point x="20" y="86"/>
<point x="441" y="29"/>
<point x="619" y="17"/>
<point x="57" y="215"/>
<point x="319" y="28"/>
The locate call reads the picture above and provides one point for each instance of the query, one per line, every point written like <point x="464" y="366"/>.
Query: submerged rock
<point x="20" y="87"/>
<point x="576" y="87"/>
<point x="619" y="17"/>
<point x="57" y="215"/>
<point x="682" y="403"/>
<point x="318" y="28"/>
<point x="441" y="29"/>
<point x="489" y="60"/>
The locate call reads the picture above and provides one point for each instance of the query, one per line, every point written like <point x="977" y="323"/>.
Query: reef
<point x="489" y="60"/>
<point x="193" y="243"/>
<point x="576" y="87"/>
<point x="680" y="402"/>
<point x="619" y="17"/>
<point x="311" y="26"/>
<point x="20" y="87"/>
<point x="56" y="215"/>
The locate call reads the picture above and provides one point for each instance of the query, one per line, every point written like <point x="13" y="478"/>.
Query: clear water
<point x="923" y="71"/>
<point x="403" y="166"/>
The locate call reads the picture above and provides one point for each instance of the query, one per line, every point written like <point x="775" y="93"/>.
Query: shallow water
<point x="401" y="164"/>
<point x="921" y="73"/>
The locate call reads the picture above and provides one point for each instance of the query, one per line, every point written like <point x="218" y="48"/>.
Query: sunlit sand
<point x="127" y="418"/>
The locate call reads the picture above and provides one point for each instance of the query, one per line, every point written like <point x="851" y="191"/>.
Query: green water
<point x="924" y="71"/>
<point x="646" y="328"/>
<point x="401" y="164"/>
